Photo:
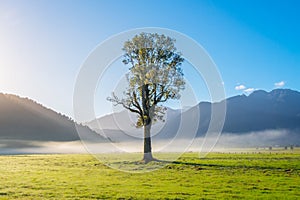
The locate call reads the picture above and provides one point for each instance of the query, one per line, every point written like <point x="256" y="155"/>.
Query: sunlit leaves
<point x="155" y="75"/>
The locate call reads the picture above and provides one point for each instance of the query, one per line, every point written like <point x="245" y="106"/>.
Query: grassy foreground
<point x="251" y="175"/>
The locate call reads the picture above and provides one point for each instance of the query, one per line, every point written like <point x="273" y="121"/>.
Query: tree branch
<point x="122" y="102"/>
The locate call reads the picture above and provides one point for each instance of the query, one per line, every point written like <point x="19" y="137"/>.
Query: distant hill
<point x="120" y="126"/>
<point x="23" y="119"/>
<point x="25" y="123"/>
<point x="260" y="111"/>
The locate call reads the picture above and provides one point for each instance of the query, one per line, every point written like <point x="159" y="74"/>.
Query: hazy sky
<point x="255" y="44"/>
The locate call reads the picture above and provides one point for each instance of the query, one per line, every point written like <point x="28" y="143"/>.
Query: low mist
<point x="226" y="141"/>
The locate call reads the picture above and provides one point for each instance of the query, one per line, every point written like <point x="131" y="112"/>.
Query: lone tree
<point x="154" y="77"/>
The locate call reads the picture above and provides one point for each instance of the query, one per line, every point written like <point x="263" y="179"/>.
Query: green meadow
<point x="242" y="175"/>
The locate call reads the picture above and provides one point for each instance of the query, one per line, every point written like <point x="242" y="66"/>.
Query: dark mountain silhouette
<point x="25" y="123"/>
<point x="22" y="119"/>
<point x="260" y="111"/>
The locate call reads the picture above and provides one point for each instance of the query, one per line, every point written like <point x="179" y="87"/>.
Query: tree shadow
<point x="221" y="166"/>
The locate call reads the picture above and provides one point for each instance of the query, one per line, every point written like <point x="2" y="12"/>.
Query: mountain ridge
<point x="278" y="109"/>
<point x="24" y="119"/>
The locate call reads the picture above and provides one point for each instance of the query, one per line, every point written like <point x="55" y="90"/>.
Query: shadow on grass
<point x="221" y="166"/>
<point x="202" y="165"/>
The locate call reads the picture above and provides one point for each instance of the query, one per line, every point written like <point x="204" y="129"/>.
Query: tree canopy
<point x="155" y="75"/>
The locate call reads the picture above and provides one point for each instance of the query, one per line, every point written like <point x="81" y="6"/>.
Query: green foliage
<point x="155" y="76"/>
<point x="247" y="175"/>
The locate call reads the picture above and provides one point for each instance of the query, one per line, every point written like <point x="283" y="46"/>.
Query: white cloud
<point x="240" y="87"/>
<point x="279" y="84"/>
<point x="249" y="90"/>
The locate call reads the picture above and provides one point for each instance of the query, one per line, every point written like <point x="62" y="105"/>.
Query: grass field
<point x="252" y="175"/>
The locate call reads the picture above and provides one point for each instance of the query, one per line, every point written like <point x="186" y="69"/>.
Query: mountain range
<point x="260" y="111"/>
<point x="24" y="122"/>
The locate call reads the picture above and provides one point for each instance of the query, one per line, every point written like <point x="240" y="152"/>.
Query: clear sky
<point x="255" y="43"/>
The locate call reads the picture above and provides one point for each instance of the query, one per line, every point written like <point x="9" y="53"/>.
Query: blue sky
<point x="255" y="44"/>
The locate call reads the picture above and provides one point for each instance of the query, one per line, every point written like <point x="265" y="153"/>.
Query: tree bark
<point x="147" y="144"/>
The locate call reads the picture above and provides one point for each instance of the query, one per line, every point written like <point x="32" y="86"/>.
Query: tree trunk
<point x="147" y="144"/>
